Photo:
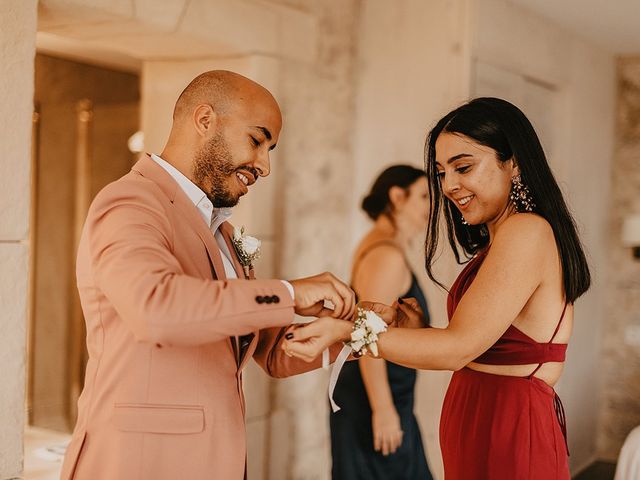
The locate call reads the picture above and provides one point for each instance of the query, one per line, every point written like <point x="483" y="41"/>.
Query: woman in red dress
<point x="511" y="308"/>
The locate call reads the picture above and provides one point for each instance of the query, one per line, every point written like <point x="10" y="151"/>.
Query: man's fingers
<point x="299" y="350"/>
<point x="347" y="296"/>
<point x="302" y="332"/>
<point x="338" y="303"/>
<point x="325" y="312"/>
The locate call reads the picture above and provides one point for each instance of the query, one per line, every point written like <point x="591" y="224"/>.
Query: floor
<point x="597" y="471"/>
<point x="43" y="452"/>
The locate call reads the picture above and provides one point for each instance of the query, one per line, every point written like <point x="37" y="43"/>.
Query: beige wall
<point x="59" y="85"/>
<point x="621" y="357"/>
<point x="360" y="82"/>
<point x="403" y="87"/>
<point x="582" y="79"/>
<point x="17" y="49"/>
<point x="313" y="213"/>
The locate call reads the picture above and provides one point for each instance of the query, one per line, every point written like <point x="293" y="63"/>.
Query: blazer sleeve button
<point x="268" y="299"/>
<point x="276" y="299"/>
<point x="260" y="299"/>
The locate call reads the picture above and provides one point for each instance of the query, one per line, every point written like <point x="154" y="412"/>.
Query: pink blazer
<point x="163" y="389"/>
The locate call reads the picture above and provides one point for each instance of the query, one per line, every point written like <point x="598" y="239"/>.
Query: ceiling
<point x="614" y="25"/>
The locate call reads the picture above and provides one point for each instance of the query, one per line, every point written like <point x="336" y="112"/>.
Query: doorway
<point x="83" y="117"/>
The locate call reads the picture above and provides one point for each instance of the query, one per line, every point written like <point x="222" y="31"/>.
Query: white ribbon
<point x="335" y="373"/>
<point x="326" y="359"/>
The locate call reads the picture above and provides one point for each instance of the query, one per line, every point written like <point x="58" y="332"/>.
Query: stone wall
<point x="314" y="208"/>
<point x="17" y="50"/>
<point x="621" y="354"/>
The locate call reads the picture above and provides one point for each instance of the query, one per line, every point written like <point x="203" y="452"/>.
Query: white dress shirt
<point x="213" y="217"/>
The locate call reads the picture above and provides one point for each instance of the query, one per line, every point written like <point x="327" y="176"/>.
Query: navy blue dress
<point x="351" y="432"/>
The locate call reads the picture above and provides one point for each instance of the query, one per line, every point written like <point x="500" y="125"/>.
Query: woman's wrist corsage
<point x="366" y="329"/>
<point x="364" y="335"/>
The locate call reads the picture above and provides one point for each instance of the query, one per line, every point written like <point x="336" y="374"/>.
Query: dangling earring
<point x="521" y="196"/>
<point x="464" y="222"/>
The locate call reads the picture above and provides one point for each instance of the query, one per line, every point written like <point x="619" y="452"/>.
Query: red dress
<point x="497" y="427"/>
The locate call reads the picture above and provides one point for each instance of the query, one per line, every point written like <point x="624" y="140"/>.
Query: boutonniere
<point x="247" y="248"/>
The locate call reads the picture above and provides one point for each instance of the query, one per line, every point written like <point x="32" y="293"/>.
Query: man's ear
<point x="205" y="120"/>
<point x="397" y="196"/>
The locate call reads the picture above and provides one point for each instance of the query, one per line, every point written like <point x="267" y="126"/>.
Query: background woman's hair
<point x="377" y="201"/>
<point x="498" y="124"/>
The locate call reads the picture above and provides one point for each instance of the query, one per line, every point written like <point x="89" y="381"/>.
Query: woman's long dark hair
<point x="377" y="201"/>
<point x="499" y="125"/>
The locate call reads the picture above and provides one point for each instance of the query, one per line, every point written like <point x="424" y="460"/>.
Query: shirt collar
<point x="213" y="217"/>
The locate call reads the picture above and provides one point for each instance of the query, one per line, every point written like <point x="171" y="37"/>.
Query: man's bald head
<point x="221" y="89"/>
<point x="224" y="127"/>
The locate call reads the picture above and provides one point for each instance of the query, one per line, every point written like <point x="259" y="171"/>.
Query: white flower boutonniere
<point x="247" y="248"/>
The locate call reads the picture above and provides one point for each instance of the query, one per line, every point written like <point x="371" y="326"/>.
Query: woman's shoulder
<point x="526" y="227"/>
<point x="524" y="240"/>
<point x="377" y="250"/>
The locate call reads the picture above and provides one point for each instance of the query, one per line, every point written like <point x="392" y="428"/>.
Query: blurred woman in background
<point x="375" y="435"/>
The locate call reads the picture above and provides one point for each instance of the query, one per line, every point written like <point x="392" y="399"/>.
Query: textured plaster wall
<point x="620" y="411"/>
<point x="314" y="213"/>
<point x="582" y="78"/>
<point x="404" y="86"/>
<point x="17" y="50"/>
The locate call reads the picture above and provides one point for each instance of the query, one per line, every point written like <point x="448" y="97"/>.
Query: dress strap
<point x="368" y="250"/>
<point x="555" y="332"/>
<point x="562" y="419"/>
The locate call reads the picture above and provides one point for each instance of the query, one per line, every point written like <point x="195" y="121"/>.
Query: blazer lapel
<point x="191" y="213"/>
<point x="151" y="170"/>
<point x="246" y="349"/>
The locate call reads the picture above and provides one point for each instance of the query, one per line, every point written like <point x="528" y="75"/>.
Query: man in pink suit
<point x="171" y="318"/>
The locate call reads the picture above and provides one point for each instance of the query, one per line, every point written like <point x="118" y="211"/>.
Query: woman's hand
<point x="387" y="431"/>
<point x="388" y="313"/>
<point x="404" y="313"/>
<point x="409" y="313"/>
<point x="307" y="341"/>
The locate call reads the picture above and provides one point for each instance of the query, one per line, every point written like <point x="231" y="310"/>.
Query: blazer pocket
<point x="149" y="418"/>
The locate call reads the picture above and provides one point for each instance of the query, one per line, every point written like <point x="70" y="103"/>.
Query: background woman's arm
<point x="382" y="276"/>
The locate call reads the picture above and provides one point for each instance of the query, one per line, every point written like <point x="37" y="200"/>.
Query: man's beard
<point x="213" y="166"/>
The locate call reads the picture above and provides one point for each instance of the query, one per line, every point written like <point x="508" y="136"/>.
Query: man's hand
<point x="307" y="341"/>
<point x="312" y="292"/>
<point x="387" y="431"/>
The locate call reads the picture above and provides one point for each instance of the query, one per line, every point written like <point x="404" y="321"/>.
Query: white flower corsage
<point x="247" y="248"/>
<point x="364" y="336"/>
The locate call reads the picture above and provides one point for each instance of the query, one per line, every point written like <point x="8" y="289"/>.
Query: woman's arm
<point x="508" y="277"/>
<point x="511" y="272"/>
<point x="382" y="274"/>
